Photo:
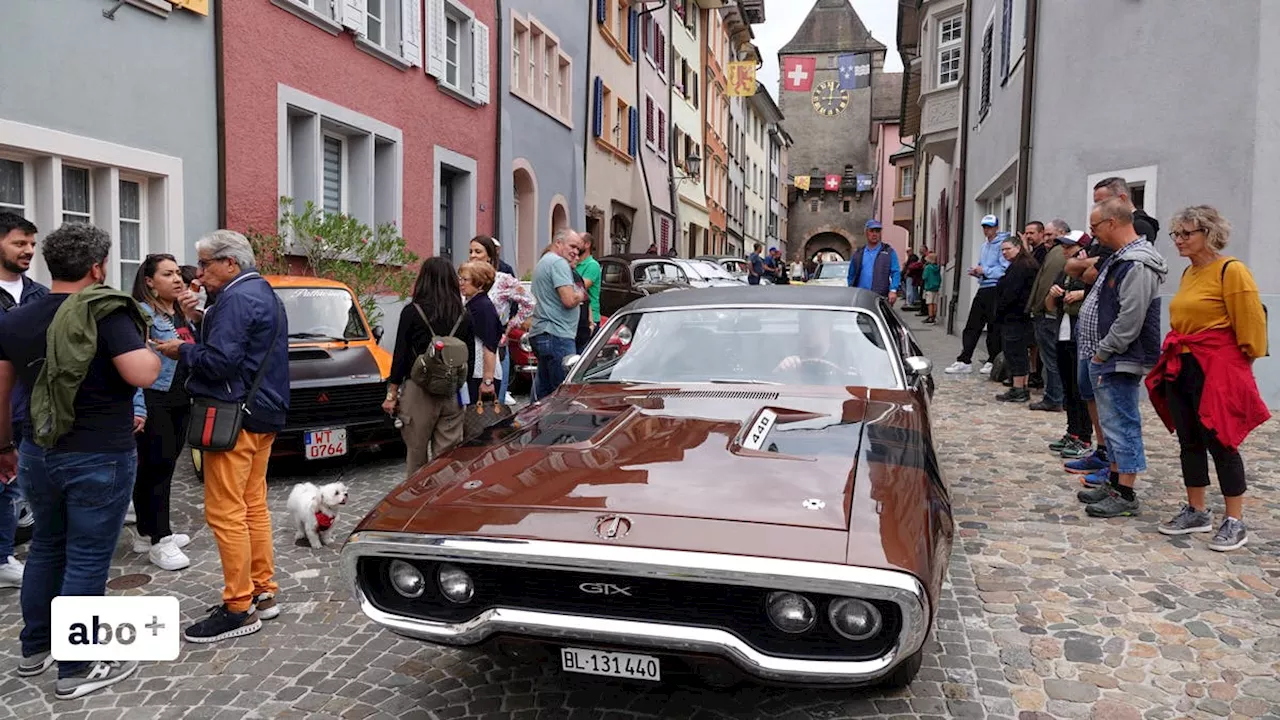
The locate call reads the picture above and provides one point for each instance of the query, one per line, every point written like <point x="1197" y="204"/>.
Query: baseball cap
<point x="990" y="221"/>
<point x="1076" y="237"/>
<point x="874" y="225"/>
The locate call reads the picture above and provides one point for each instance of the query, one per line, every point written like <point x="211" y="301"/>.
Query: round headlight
<point x="524" y="343"/>
<point x="406" y="579"/>
<point x="855" y="619"/>
<point x="790" y="613"/>
<point x="624" y="335"/>
<point x="455" y="584"/>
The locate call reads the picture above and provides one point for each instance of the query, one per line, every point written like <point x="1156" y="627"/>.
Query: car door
<point x="615" y="287"/>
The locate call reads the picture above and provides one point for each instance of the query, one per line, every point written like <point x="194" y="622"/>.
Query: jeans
<point x="10" y="496"/>
<point x="505" y="383"/>
<point x="551" y="350"/>
<point x="1085" y="380"/>
<point x="1047" y="341"/>
<point x="1117" y="396"/>
<point x="78" y="501"/>
<point x="982" y="313"/>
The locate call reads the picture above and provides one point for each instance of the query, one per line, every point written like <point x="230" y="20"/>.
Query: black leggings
<point x="1183" y="396"/>
<point x="1015" y="336"/>
<point x="1079" y="424"/>
<point x="159" y="445"/>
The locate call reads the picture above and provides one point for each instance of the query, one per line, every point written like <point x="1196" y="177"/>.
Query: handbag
<point x="482" y="415"/>
<point x="215" y="424"/>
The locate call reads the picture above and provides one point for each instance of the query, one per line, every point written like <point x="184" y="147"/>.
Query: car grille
<point x="736" y="609"/>
<point x="335" y="405"/>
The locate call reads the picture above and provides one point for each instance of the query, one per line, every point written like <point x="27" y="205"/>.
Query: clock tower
<point x="832" y="116"/>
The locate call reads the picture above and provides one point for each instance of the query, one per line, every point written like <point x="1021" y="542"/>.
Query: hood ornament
<point x="814" y="504"/>
<point x="612" y="527"/>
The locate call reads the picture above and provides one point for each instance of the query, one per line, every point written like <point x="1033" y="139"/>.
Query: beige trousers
<point x="432" y="425"/>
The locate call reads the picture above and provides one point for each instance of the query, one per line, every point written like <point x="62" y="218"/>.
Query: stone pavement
<point x="1047" y="613"/>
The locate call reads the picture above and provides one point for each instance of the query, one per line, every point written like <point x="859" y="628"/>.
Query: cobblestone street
<point x="1048" y="613"/>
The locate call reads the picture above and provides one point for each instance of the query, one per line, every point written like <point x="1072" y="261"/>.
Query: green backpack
<point x="441" y="369"/>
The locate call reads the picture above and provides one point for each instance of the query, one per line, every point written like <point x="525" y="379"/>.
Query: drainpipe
<point x="586" y="129"/>
<point x="220" y="113"/>
<point x="1028" y="91"/>
<point x="644" y="172"/>
<point x="671" y="156"/>
<point x="497" y="141"/>
<point x="961" y="199"/>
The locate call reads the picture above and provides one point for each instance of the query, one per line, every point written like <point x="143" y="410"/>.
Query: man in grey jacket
<point x="1119" y="334"/>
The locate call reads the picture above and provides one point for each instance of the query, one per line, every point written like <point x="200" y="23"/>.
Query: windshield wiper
<point x="736" y="381"/>
<point x="622" y="381"/>
<point x="316" y="336"/>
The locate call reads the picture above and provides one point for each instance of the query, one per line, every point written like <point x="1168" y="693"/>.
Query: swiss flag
<point x="797" y="73"/>
<point x="833" y="183"/>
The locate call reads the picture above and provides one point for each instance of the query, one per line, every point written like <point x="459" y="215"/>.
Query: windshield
<point x="322" y="314"/>
<point x="710" y="270"/>
<point x="833" y="271"/>
<point x="789" y="346"/>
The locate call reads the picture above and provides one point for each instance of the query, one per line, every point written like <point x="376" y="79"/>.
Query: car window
<point x="833" y="271"/>
<point x="710" y="270"/>
<point x="658" y="272"/>
<point x="836" y="348"/>
<point x="615" y="273"/>
<point x="322" y="314"/>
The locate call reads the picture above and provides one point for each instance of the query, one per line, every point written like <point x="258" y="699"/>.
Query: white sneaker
<point x="178" y="539"/>
<point x="167" y="556"/>
<point x="958" y="368"/>
<point x="11" y="573"/>
<point x="130" y="517"/>
<point x="511" y="399"/>
<point x="986" y="369"/>
<point x="139" y="543"/>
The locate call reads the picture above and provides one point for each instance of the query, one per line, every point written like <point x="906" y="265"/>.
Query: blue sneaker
<point x="1097" y="479"/>
<point x="1086" y="465"/>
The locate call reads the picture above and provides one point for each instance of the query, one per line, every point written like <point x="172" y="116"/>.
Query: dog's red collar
<point x="323" y="522"/>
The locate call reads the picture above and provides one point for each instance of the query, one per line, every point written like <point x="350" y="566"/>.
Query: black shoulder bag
<point x="215" y="425"/>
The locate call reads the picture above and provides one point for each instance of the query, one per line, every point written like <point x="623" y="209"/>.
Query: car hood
<point x="693" y="468"/>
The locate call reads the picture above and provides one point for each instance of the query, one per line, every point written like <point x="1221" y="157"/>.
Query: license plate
<point x="611" y="664"/>
<point x="321" y="444"/>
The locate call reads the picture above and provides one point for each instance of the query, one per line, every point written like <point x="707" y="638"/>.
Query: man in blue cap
<point x="982" y="313"/>
<point x="874" y="266"/>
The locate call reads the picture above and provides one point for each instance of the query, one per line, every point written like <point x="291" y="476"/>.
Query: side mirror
<point x="919" y="365"/>
<point x="569" y="362"/>
<point x="378" y="332"/>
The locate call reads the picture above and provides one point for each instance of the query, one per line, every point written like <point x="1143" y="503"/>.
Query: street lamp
<point x="692" y="164"/>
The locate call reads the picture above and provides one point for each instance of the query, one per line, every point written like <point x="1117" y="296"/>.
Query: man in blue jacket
<point x="982" y="313"/>
<point x="875" y="265"/>
<point x="236" y="339"/>
<point x="17" y="247"/>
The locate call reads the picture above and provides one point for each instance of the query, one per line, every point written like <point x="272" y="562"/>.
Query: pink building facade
<point x="889" y="201"/>
<point x="379" y="109"/>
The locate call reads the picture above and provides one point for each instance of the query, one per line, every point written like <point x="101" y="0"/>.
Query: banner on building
<point x="742" y="79"/>
<point x="801" y="182"/>
<point x="855" y="71"/>
<point x="865" y="182"/>
<point x="797" y="73"/>
<point x="833" y="183"/>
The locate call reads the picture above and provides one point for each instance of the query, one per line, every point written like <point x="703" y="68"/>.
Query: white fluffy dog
<point x="313" y="509"/>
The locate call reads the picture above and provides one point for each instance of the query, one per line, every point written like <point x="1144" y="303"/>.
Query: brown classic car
<point x="749" y="491"/>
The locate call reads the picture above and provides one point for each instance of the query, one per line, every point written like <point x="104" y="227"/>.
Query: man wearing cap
<point x="874" y="266"/>
<point x="982" y="313"/>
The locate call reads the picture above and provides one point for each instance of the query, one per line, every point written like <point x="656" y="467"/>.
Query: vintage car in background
<point x="705" y="274"/>
<point x="749" y="491"/>
<point x="624" y="278"/>
<point x="337" y="374"/>
<point x="834" y="274"/>
<point x="737" y="267"/>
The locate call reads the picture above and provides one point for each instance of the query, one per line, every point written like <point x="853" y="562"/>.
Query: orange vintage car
<point x="749" y="491"/>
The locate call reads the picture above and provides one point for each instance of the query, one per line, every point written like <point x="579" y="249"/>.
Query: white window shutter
<point x="355" y="16"/>
<point x="411" y="31"/>
<point x="480" y="46"/>
<point x="435" y="38"/>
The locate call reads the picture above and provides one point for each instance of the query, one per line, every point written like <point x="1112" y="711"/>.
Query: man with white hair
<point x="555" y="316"/>
<point x="244" y="333"/>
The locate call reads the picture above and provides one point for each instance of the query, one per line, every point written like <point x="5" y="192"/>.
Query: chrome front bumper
<point x="799" y="576"/>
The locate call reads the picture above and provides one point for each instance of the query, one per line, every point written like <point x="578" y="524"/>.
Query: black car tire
<point x="905" y="673"/>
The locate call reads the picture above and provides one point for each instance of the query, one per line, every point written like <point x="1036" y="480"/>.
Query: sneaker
<point x="1018" y="395"/>
<point x="1091" y="463"/>
<point x="142" y="543"/>
<point x="266" y="606"/>
<point x="35" y="665"/>
<point x="11" y="573"/>
<point x="222" y="624"/>
<point x="1188" y="520"/>
<point x="1095" y="494"/>
<point x="167" y="556"/>
<point x="180" y="539"/>
<point x="986" y="368"/>
<point x="26" y="518"/>
<point x="1231" y="534"/>
<point x="1045" y="406"/>
<point x="1114" y="506"/>
<point x="1076" y="449"/>
<point x="959" y="368"/>
<point x="1035" y="382"/>
<point x="99" y="675"/>
<point x="1094" y="479"/>
<point x="931" y="321"/>
<point x="130" y="517"/>
<point x="1061" y="443"/>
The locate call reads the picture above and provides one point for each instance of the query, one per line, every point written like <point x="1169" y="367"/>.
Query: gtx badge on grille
<point x="604" y="589"/>
<point x="613" y="527"/>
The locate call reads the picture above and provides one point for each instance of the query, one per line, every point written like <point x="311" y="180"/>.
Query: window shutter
<point x="662" y="48"/>
<point x="411" y="31"/>
<point x="355" y="16"/>
<point x="633" y="33"/>
<point x="602" y="14"/>
<point x="480" y="58"/>
<point x="435" y="38"/>
<point x="648" y="119"/>
<point x="635" y="132"/>
<point x="1006" y="38"/>
<point x="662" y="132"/>
<point x="597" y="120"/>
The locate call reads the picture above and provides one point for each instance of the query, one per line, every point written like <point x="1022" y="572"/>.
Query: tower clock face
<point x="829" y="99"/>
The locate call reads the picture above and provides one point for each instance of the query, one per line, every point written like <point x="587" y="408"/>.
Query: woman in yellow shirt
<point x="1217" y="323"/>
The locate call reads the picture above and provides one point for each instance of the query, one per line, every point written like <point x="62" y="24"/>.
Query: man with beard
<point x="17" y="247"/>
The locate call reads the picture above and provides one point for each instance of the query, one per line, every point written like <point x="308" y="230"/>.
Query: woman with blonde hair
<point x="475" y="279"/>
<point x="1218" y="322"/>
<point x="513" y="302"/>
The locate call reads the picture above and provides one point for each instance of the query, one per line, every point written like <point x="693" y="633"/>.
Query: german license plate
<point x="611" y="664"/>
<point x="321" y="444"/>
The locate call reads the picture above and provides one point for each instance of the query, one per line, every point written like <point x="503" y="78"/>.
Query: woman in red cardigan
<point x="1218" y="323"/>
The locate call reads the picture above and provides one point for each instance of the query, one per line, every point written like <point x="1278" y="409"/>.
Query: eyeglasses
<point x="1177" y="235"/>
<point x="1093" y="229"/>
<point x="202" y="263"/>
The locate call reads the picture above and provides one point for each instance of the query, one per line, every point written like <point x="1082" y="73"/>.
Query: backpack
<point x="441" y="369"/>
